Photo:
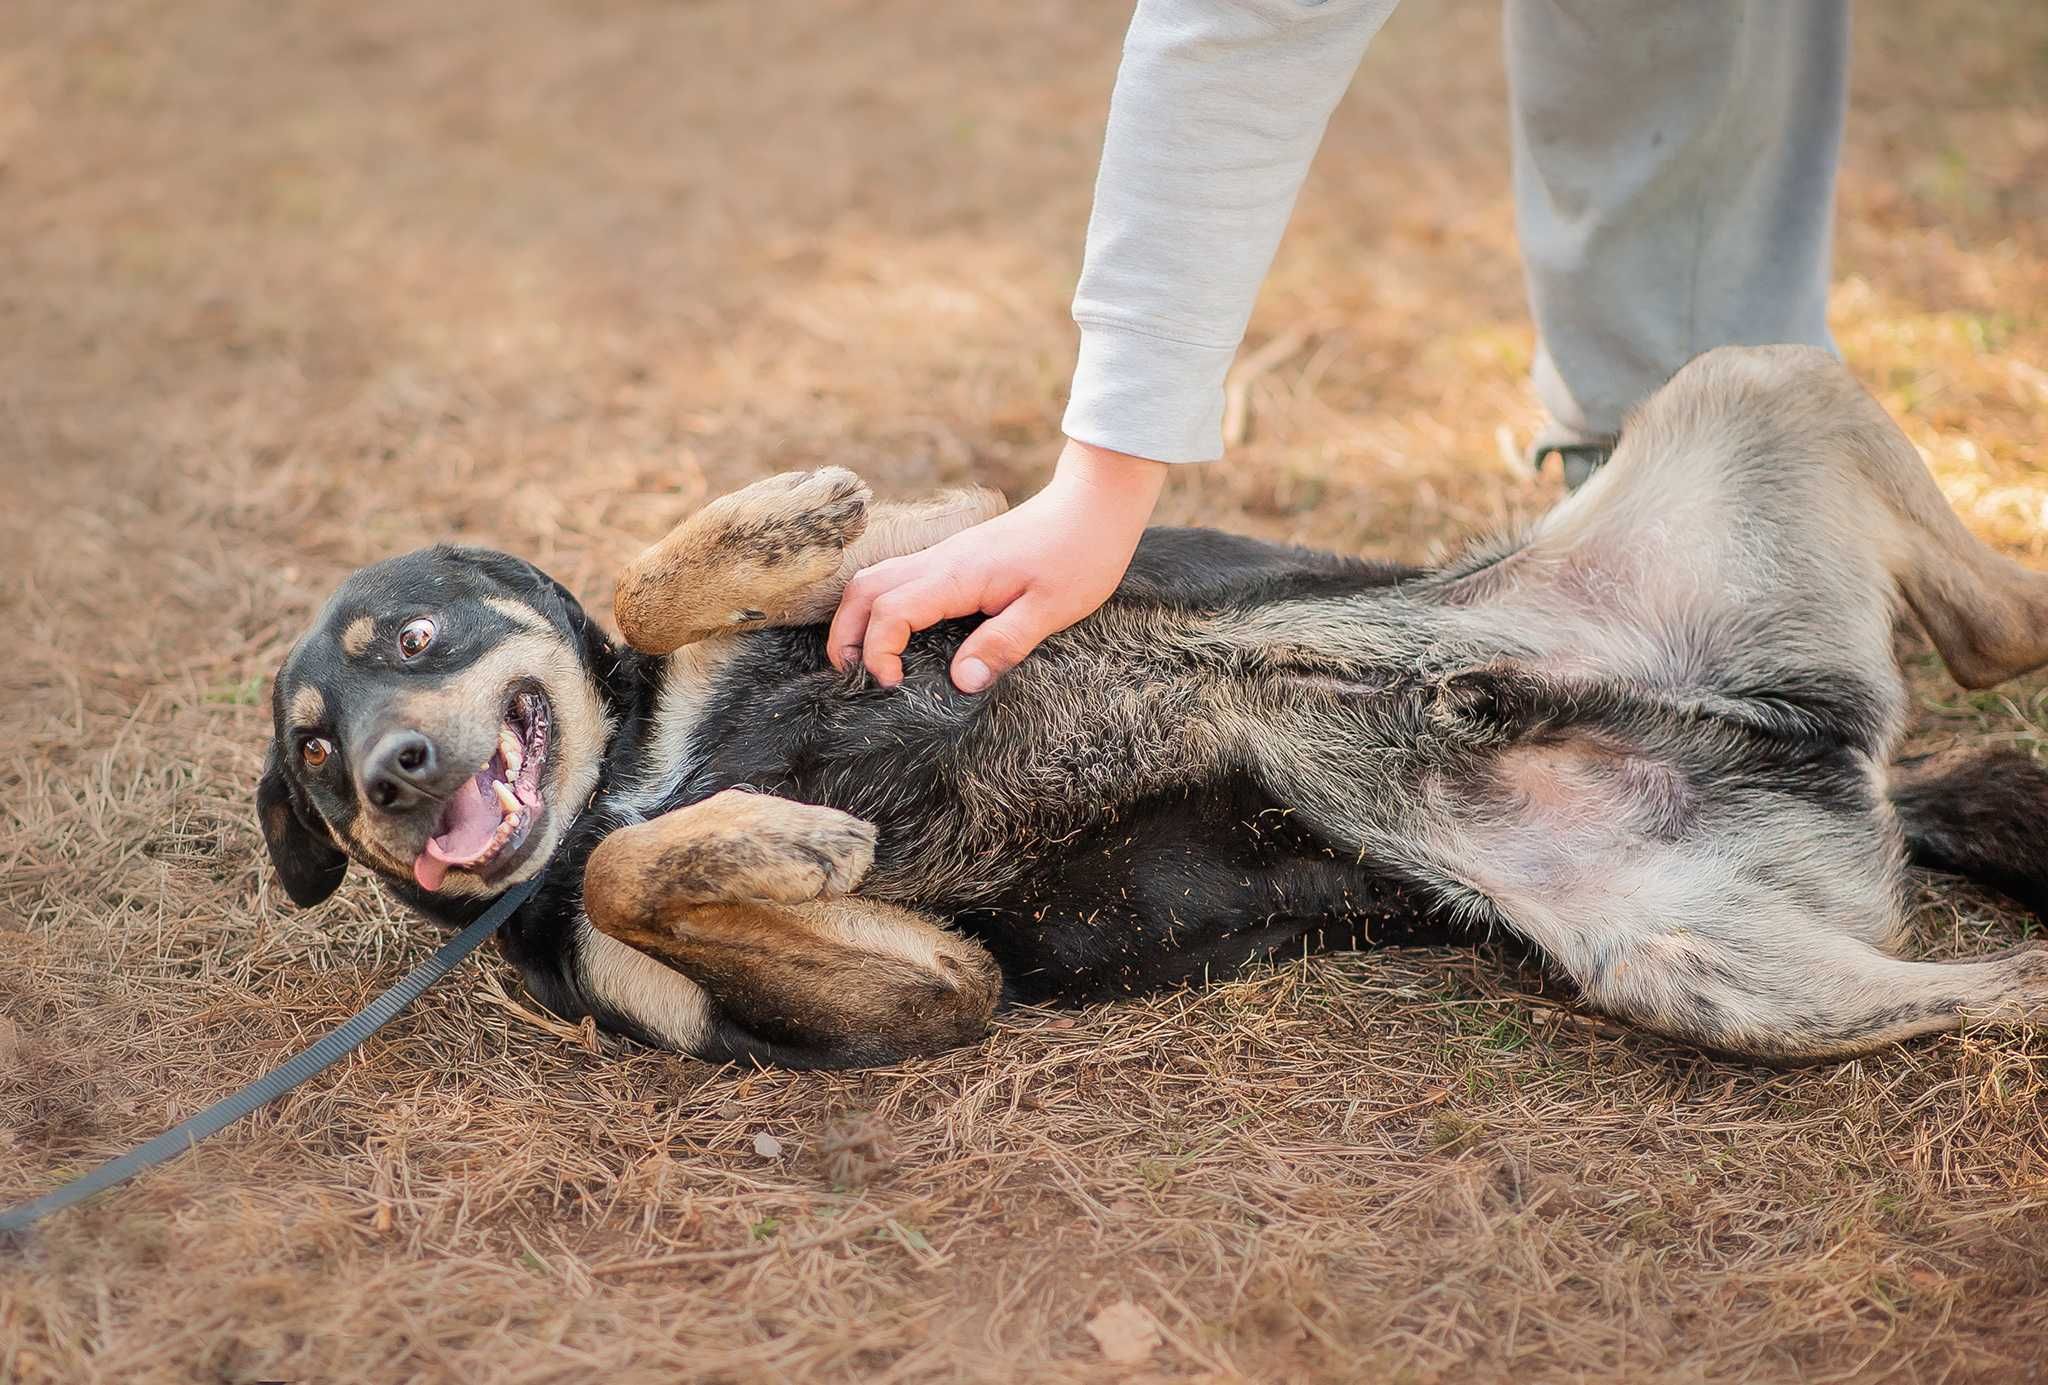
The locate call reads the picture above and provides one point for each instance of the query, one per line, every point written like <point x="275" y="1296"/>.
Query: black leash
<point x="310" y="1062"/>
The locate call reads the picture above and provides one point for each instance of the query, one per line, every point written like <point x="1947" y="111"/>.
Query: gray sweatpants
<point x="1674" y="185"/>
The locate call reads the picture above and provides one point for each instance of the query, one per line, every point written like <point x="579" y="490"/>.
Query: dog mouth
<point x="485" y="821"/>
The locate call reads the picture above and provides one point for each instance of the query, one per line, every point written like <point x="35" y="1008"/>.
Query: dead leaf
<point x="1126" y="1333"/>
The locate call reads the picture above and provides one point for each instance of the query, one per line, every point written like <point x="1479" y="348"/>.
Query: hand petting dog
<point x="1034" y="571"/>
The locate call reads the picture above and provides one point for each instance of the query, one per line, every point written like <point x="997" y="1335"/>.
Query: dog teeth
<point x="507" y="800"/>
<point x="508" y="746"/>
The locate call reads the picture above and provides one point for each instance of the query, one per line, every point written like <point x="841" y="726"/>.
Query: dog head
<point x="442" y="723"/>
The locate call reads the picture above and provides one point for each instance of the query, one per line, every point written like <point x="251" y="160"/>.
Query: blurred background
<point x="287" y="288"/>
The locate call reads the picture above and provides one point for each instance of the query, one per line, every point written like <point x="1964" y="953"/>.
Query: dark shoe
<point x="1580" y="454"/>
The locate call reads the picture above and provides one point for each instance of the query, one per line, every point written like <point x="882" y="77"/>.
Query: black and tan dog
<point x="1654" y="739"/>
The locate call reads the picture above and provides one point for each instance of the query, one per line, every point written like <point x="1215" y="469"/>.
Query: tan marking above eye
<point x="306" y="708"/>
<point x="357" y="637"/>
<point x="520" y="614"/>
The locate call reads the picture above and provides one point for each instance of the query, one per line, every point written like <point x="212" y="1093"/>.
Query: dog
<point x="1654" y="739"/>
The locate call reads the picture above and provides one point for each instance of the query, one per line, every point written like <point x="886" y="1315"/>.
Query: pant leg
<point x="1674" y="166"/>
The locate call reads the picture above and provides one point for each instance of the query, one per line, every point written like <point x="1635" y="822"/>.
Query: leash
<point x="330" y="1049"/>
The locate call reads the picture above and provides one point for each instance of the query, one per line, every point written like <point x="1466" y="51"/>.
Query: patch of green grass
<point x="247" y="693"/>
<point x="1887" y="1295"/>
<point x="1986" y="333"/>
<point x="1505" y="1036"/>
<point x="1893" y="1211"/>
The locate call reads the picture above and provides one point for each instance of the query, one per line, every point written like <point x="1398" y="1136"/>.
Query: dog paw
<point x="812" y="853"/>
<point x="734" y="846"/>
<point x="757" y="846"/>
<point x="769" y="554"/>
<point x="796" y="514"/>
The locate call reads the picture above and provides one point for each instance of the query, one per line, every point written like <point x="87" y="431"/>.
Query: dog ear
<point x="310" y="868"/>
<point x="590" y="637"/>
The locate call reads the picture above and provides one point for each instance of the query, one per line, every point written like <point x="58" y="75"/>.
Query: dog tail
<point x="1982" y="814"/>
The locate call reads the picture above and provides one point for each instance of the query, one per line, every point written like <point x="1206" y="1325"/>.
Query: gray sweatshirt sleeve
<point x="1218" y="108"/>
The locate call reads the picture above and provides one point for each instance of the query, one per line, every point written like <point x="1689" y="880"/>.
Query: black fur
<point x="1980" y="814"/>
<point x="1157" y="888"/>
<point x="306" y="860"/>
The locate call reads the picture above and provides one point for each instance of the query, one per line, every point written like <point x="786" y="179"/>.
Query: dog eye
<point x="315" y="751"/>
<point x="415" y="637"/>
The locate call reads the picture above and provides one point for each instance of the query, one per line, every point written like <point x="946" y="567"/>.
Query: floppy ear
<point x="589" y="635"/>
<point x="310" y="868"/>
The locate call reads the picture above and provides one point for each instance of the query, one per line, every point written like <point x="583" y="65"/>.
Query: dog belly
<point x="1157" y="797"/>
<point x="1614" y="827"/>
<point x="1189" y="887"/>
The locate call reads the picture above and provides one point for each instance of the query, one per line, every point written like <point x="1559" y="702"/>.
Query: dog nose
<point x="399" y="769"/>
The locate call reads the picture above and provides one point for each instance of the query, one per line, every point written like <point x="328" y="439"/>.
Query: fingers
<point x="850" y="624"/>
<point x="852" y="630"/>
<point x="900" y="613"/>
<point x="885" y="605"/>
<point x="1000" y="643"/>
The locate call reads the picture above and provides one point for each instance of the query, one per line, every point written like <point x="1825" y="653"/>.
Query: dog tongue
<point x="429" y="872"/>
<point x="468" y="823"/>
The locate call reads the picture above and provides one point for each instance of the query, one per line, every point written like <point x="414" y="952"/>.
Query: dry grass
<point x="287" y="288"/>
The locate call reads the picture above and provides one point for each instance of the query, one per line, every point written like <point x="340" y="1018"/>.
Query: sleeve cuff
<point x="1148" y="396"/>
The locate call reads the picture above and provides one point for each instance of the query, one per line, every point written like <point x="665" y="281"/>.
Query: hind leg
<point x="1747" y="550"/>
<point x="1762" y="489"/>
<point x="1752" y="909"/>
<point x="1759" y="919"/>
<point x="1796" y="989"/>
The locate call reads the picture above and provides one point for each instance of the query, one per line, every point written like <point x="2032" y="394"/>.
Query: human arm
<point x="1217" y="112"/>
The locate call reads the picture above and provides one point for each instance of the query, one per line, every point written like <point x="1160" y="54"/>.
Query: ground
<point x="284" y="289"/>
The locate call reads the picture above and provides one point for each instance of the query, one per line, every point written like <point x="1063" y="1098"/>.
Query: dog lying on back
<point x="1654" y="739"/>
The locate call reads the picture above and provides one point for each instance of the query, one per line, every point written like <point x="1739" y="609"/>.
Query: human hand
<point x="1033" y="570"/>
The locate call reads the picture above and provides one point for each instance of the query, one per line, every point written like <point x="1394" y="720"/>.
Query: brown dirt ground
<point x="287" y="288"/>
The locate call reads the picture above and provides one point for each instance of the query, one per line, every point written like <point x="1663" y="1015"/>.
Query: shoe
<point x="1581" y="454"/>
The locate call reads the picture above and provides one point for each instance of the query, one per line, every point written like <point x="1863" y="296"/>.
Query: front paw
<point x="794" y="517"/>
<point x="791" y="852"/>
<point x="753" y="558"/>
<point x="734" y="846"/>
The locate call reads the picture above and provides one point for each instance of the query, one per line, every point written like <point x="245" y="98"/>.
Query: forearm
<point x="1217" y="112"/>
<point x="1112" y="482"/>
